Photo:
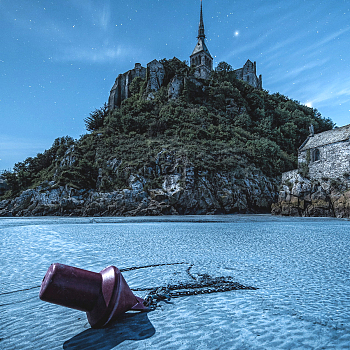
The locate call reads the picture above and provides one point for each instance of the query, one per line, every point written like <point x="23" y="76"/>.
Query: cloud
<point x="332" y="92"/>
<point x="278" y="49"/>
<point x="247" y="47"/>
<point x="96" y="55"/>
<point x="105" y="17"/>
<point x="315" y="49"/>
<point x="270" y="43"/>
<point x="327" y="39"/>
<point x="64" y="38"/>
<point x="318" y="93"/>
<point x="14" y="144"/>
<point x="296" y="71"/>
<point x="94" y="12"/>
<point x="308" y="51"/>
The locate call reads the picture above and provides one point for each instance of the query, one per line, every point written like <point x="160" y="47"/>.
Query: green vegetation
<point x="223" y="124"/>
<point x="34" y="171"/>
<point x="96" y="118"/>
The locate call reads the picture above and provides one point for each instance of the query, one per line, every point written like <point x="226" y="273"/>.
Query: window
<point x="315" y="155"/>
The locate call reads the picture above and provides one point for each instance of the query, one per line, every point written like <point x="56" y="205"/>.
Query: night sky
<point x="59" y="59"/>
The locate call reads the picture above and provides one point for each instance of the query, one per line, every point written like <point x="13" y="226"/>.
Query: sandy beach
<point x="300" y="267"/>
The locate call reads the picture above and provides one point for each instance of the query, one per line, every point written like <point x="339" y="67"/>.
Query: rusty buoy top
<point x="103" y="296"/>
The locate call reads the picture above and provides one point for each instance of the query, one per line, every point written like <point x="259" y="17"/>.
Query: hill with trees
<point x="219" y="147"/>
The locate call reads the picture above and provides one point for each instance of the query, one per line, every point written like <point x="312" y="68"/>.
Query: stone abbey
<point x="154" y="73"/>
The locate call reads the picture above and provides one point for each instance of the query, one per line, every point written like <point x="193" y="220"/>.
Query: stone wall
<point x="289" y="175"/>
<point x="155" y="76"/>
<point x="204" y="65"/>
<point x="248" y="73"/>
<point x="300" y="196"/>
<point x="332" y="160"/>
<point x="120" y="90"/>
<point x="175" y="87"/>
<point x="154" y="73"/>
<point x="321" y="185"/>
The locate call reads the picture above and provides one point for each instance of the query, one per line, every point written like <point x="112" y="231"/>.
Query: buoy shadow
<point x="130" y="326"/>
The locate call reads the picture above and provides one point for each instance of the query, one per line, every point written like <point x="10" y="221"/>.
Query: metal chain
<point x="147" y="266"/>
<point x="121" y="270"/>
<point x="203" y="285"/>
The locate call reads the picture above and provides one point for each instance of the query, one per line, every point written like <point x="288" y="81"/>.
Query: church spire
<point x="201" y="24"/>
<point x="201" y="58"/>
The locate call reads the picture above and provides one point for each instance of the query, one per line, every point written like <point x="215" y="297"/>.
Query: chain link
<point x="203" y="285"/>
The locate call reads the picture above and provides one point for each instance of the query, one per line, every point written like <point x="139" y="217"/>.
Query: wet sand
<point x="300" y="268"/>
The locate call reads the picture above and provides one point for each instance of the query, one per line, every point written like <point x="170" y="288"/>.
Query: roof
<point x="200" y="47"/>
<point x="154" y="63"/>
<point x="326" y="138"/>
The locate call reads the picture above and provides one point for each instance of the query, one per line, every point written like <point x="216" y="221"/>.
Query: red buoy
<point x="103" y="296"/>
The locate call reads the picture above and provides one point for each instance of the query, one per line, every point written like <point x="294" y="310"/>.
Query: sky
<point x="59" y="59"/>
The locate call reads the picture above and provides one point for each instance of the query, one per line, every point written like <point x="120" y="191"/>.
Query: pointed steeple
<point x="201" y="46"/>
<point x="201" y="58"/>
<point x="201" y="24"/>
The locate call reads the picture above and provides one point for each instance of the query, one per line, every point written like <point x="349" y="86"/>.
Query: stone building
<point x="200" y="59"/>
<point x="248" y="73"/>
<point x="321" y="184"/>
<point x="326" y="154"/>
<point x="120" y="90"/>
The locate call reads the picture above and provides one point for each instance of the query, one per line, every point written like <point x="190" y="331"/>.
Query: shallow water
<point x="300" y="265"/>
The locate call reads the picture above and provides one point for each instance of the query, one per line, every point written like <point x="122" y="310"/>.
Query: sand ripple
<point x="300" y="266"/>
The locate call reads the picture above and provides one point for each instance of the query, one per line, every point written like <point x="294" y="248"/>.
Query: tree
<point x="96" y="118"/>
<point x="224" y="72"/>
<point x="173" y="67"/>
<point x="136" y="84"/>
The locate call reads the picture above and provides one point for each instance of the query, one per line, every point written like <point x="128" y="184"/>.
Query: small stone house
<point x="327" y="154"/>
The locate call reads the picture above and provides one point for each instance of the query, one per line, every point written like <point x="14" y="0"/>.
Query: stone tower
<point x="201" y="58"/>
<point x="248" y="74"/>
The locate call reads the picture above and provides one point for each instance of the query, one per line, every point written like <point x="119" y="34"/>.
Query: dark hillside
<point x="221" y="130"/>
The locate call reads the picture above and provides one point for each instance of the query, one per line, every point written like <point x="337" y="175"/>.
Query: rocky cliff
<point x="182" y="190"/>
<point x="174" y="145"/>
<point x="299" y="196"/>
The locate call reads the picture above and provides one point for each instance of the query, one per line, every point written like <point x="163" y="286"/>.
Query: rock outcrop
<point x="182" y="190"/>
<point x="300" y="196"/>
<point x="121" y="88"/>
<point x="156" y="74"/>
<point x="175" y="87"/>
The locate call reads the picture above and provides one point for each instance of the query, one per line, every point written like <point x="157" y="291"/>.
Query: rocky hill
<point x="182" y="191"/>
<point x="219" y="146"/>
<point x="300" y="196"/>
